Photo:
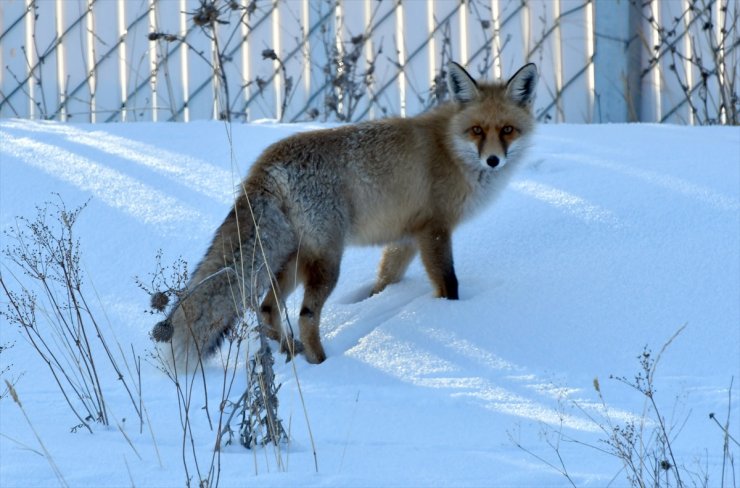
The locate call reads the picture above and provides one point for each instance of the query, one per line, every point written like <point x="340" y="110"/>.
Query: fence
<point x="295" y="60"/>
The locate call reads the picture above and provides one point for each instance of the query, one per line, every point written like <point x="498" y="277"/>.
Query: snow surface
<point x="609" y="238"/>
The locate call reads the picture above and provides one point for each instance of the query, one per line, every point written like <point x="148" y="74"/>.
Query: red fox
<point x="405" y="183"/>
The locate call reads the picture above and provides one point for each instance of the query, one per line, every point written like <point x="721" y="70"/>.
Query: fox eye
<point x="477" y="130"/>
<point x="507" y="130"/>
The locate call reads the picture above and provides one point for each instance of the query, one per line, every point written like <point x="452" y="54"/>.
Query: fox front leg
<point x="435" y="247"/>
<point x="394" y="263"/>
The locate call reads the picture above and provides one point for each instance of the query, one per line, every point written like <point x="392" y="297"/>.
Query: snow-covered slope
<point x="610" y="238"/>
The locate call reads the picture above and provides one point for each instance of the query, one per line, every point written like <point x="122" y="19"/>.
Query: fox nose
<point x="492" y="161"/>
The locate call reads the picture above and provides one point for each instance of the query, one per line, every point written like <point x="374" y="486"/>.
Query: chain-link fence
<point x="297" y="60"/>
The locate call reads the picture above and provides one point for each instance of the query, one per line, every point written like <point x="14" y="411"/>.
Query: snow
<point x="608" y="239"/>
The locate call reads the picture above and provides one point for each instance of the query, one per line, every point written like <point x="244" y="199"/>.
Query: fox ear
<point x="521" y="86"/>
<point x="463" y="87"/>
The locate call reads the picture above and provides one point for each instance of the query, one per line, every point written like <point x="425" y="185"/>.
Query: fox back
<point x="405" y="183"/>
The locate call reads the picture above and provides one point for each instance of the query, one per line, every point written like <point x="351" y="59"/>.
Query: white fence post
<point x="616" y="61"/>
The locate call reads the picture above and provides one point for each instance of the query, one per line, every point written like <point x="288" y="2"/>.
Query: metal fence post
<point x="617" y="96"/>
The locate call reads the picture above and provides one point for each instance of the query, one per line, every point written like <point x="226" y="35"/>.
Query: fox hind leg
<point x="320" y="278"/>
<point x="274" y="303"/>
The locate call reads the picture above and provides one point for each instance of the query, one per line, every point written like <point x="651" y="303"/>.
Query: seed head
<point x="159" y="301"/>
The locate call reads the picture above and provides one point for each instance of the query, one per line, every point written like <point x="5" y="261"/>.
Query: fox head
<point x="493" y="121"/>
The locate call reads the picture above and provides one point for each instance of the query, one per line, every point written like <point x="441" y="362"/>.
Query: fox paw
<point x="291" y="347"/>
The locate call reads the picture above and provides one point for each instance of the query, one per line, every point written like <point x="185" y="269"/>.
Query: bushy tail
<point x="250" y="246"/>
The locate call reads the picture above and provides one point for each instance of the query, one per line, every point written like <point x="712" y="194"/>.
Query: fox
<point x="401" y="183"/>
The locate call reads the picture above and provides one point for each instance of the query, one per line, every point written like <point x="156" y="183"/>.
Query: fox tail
<point x="249" y="248"/>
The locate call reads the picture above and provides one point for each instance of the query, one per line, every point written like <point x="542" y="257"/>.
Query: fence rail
<point x="294" y="60"/>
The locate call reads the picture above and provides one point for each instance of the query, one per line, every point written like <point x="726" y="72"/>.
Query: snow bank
<point x="609" y="239"/>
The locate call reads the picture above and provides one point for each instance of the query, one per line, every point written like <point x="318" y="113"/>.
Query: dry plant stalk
<point x="644" y="444"/>
<point x="50" y="307"/>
